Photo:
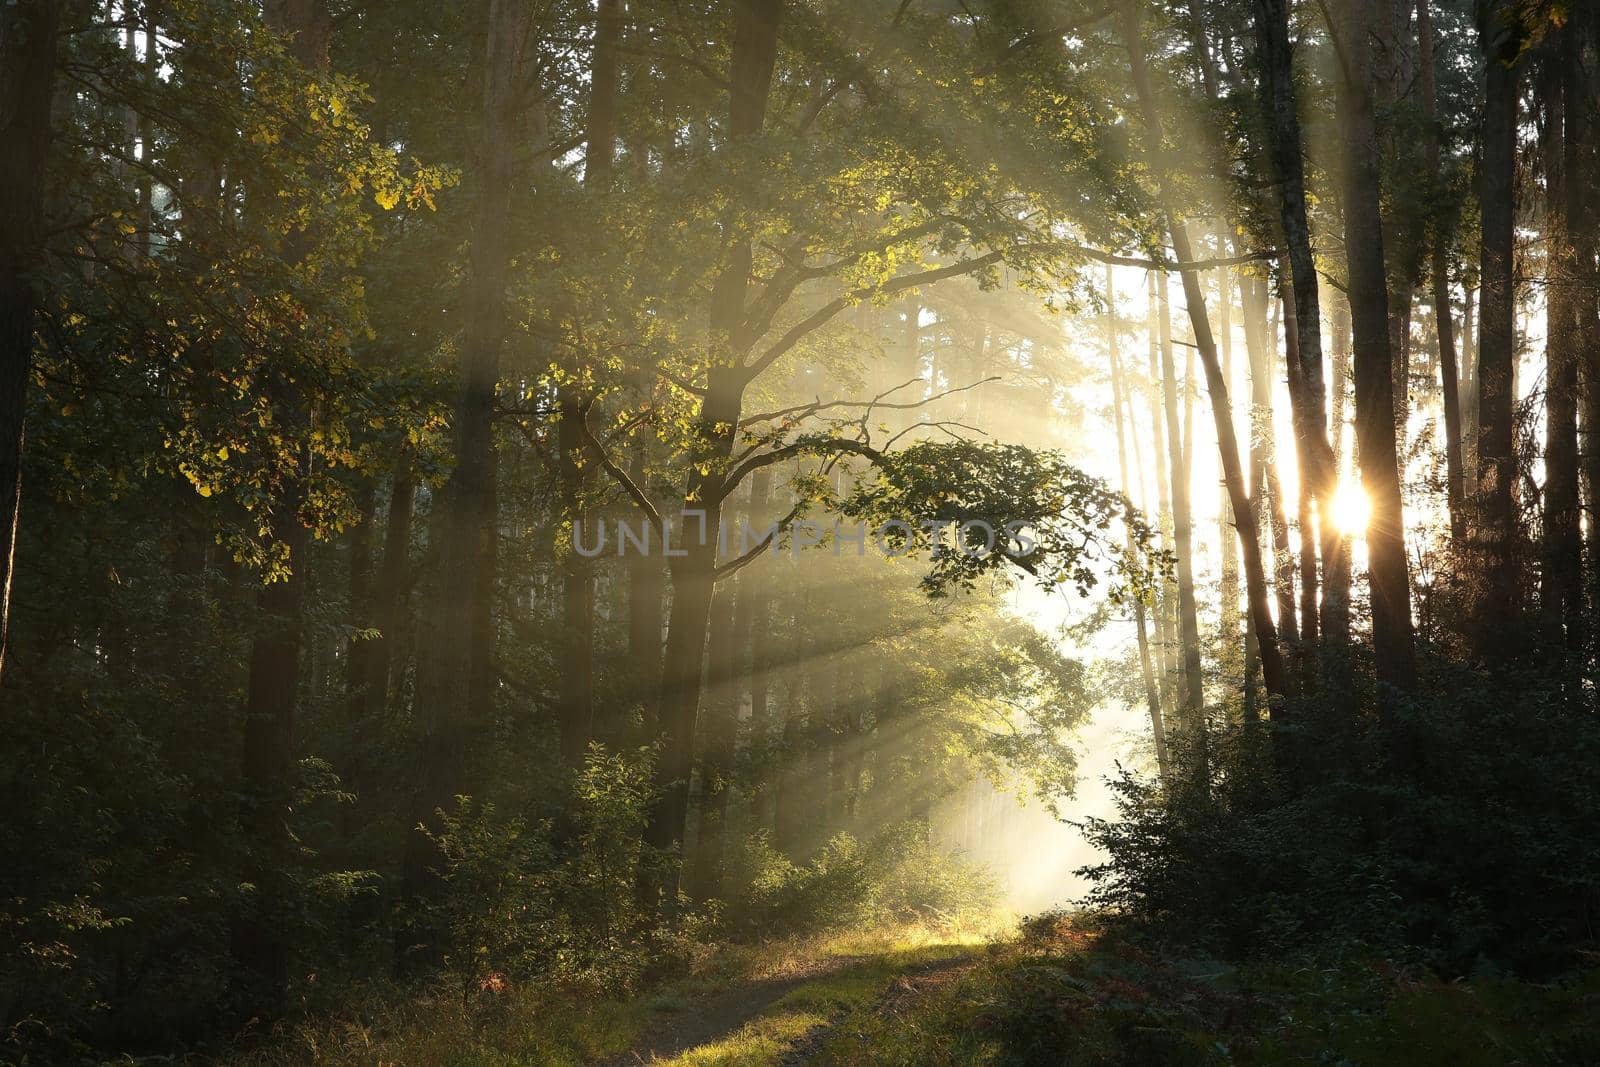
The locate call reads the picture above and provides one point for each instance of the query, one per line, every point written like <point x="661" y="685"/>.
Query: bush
<point x="901" y="877"/>
<point x="1482" y="856"/>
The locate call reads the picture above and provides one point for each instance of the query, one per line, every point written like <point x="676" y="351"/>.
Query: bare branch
<point x="622" y="478"/>
<point x="877" y="402"/>
<point x="824" y="314"/>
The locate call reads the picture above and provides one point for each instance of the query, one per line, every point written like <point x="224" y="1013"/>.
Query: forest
<point x="941" y="533"/>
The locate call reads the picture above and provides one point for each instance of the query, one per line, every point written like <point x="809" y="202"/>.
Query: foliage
<point x="899" y="877"/>
<point x="1480" y="859"/>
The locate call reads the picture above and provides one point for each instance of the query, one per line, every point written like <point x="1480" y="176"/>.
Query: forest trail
<point x="785" y="1021"/>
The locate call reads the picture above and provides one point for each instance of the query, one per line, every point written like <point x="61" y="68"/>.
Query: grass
<point x="541" y="1026"/>
<point x="1064" y="994"/>
<point x="814" y="1006"/>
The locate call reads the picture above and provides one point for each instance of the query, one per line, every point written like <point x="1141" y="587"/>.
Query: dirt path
<point x="903" y="993"/>
<point x="716" y="1017"/>
<point x="719" y="1016"/>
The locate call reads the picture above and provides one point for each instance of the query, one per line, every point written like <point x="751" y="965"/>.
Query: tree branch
<point x="826" y="312"/>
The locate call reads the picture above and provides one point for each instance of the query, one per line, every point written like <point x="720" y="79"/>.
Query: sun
<point x="1351" y="508"/>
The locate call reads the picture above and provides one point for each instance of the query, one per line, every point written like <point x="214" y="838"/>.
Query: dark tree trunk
<point x="1495" y="528"/>
<point x="1561" y="593"/>
<point x="721" y="721"/>
<point x="1369" y="316"/>
<point x="755" y="44"/>
<point x="1319" y="468"/>
<point x="388" y="597"/>
<point x="755" y="604"/>
<point x="27" y="76"/>
<point x="273" y="690"/>
<point x="358" y="651"/>
<point x="453" y="657"/>
<point x="575" y="696"/>
<point x="646" y="576"/>
<point x="1299" y="404"/>
<point x="1440" y="279"/>
<point x="1583" y="193"/>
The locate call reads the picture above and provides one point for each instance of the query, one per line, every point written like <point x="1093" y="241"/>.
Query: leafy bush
<point x="903" y="876"/>
<point x="1480" y="857"/>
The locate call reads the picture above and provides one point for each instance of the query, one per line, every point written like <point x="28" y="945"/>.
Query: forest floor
<point x="784" y="1022"/>
<point x="1059" y="990"/>
<point x="770" y="1004"/>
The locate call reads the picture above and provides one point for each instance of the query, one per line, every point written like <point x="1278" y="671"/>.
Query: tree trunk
<point x="1158" y="733"/>
<point x="756" y="604"/>
<point x="1273" y="672"/>
<point x="575" y="697"/>
<point x="27" y="74"/>
<point x="1299" y="403"/>
<point x="1192" y="677"/>
<point x="1369" y="316"/>
<point x="388" y="597"/>
<point x="755" y="43"/>
<point x="358" y="651"/>
<point x="1582" y="193"/>
<point x="646" y="577"/>
<point x="1561" y="593"/>
<point x="451" y="656"/>
<point x="1495" y="527"/>
<point x="721" y="722"/>
<point x="1440" y="278"/>
<point x="1318" y="465"/>
<point x="1165" y="627"/>
<point x="273" y="689"/>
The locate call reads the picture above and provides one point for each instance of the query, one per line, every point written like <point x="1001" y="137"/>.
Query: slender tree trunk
<point x="1583" y="192"/>
<point x="646" y="577"/>
<point x="1276" y="678"/>
<point x="575" y="694"/>
<point x="358" y="651"/>
<point x="1228" y="586"/>
<point x="1269" y="489"/>
<point x="1192" y="693"/>
<point x="1158" y="733"/>
<point x="1440" y="278"/>
<point x="720" y="734"/>
<point x="1318" y="465"/>
<point x="389" y="592"/>
<point x="27" y="75"/>
<point x="1299" y="404"/>
<point x="1339" y="386"/>
<point x="451" y="656"/>
<point x="1165" y="628"/>
<point x="1495" y="527"/>
<point x="1369" y="315"/>
<point x="1562" y="580"/>
<point x="756" y="602"/>
<point x="273" y="688"/>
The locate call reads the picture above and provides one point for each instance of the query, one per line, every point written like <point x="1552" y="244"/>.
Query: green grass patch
<point x="1065" y="995"/>
<point x="817" y="1004"/>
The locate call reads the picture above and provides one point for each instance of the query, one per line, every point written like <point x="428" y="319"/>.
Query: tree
<point x="455" y="654"/>
<point x="1273" y="672"/>
<point x="1502" y="37"/>
<point x="1320" y="472"/>
<point x="27" y="75"/>
<point x="1392" y="632"/>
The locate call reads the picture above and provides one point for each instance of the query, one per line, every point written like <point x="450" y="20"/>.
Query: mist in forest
<point x="777" y="531"/>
